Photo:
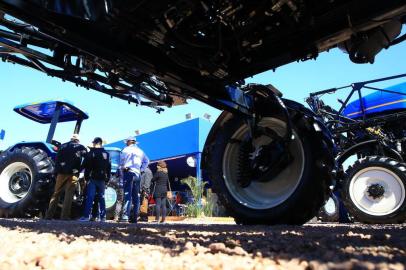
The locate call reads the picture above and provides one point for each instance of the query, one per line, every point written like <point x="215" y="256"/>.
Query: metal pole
<point x="361" y="103"/>
<point x="54" y="122"/>
<point x="78" y="125"/>
<point x="199" y="172"/>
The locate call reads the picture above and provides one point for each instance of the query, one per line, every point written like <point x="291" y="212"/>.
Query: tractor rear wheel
<point x="26" y="177"/>
<point x="293" y="196"/>
<point x="374" y="190"/>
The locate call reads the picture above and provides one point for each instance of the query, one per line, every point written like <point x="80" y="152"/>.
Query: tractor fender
<point x="317" y="125"/>
<point x="218" y="125"/>
<point x="47" y="148"/>
<point x="370" y="143"/>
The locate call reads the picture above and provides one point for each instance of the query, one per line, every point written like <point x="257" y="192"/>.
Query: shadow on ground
<point x="321" y="242"/>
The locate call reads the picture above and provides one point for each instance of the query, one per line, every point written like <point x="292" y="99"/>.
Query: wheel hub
<point x="262" y="163"/>
<point x="376" y="191"/>
<point x="15" y="182"/>
<point x="20" y="183"/>
<point x="269" y="161"/>
<point x="237" y="163"/>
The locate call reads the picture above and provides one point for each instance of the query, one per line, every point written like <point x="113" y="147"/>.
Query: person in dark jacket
<point x="161" y="181"/>
<point x="67" y="167"/>
<point x="97" y="168"/>
<point x="146" y="177"/>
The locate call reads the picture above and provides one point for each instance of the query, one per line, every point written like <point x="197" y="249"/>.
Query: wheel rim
<point x="110" y="197"/>
<point x="393" y="191"/>
<point x="263" y="195"/>
<point x="15" y="182"/>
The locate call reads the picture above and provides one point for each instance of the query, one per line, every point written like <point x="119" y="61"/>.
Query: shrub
<point x="196" y="208"/>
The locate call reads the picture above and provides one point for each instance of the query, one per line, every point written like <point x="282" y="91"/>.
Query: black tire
<point x="37" y="170"/>
<point x="396" y="175"/>
<point x="311" y="189"/>
<point x="111" y="198"/>
<point x="330" y="211"/>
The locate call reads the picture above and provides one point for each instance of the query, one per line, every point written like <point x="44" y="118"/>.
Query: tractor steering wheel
<point x="56" y="143"/>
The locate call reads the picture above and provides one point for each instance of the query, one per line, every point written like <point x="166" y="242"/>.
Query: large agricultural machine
<point x="270" y="159"/>
<point x="369" y="131"/>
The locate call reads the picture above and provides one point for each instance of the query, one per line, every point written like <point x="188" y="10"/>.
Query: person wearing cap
<point x="133" y="161"/>
<point x="67" y="167"/>
<point x="97" y="168"/>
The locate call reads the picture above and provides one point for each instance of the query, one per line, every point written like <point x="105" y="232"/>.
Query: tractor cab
<point x="114" y="158"/>
<point x="51" y="112"/>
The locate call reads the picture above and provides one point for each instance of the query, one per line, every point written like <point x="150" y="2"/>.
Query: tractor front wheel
<point x="374" y="190"/>
<point x="26" y="175"/>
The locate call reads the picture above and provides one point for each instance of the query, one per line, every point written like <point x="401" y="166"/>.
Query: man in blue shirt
<point x="132" y="162"/>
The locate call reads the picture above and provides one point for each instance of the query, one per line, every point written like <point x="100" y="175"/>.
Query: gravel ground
<point x="40" y="244"/>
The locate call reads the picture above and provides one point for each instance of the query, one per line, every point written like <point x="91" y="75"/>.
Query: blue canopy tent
<point x="175" y="144"/>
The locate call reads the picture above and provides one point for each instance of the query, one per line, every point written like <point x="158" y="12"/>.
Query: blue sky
<point x="114" y="119"/>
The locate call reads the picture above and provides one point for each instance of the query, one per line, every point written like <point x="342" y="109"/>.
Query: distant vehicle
<point x="27" y="176"/>
<point x="269" y="159"/>
<point x="370" y="128"/>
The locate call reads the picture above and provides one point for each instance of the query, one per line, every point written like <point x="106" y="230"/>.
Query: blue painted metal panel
<point x="114" y="157"/>
<point x="204" y="129"/>
<point x="47" y="147"/>
<point x="378" y="102"/>
<point x="42" y="112"/>
<point x="185" y="138"/>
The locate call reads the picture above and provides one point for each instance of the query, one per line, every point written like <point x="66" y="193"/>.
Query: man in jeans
<point x="132" y="162"/>
<point x="97" y="168"/>
<point x="67" y="166"/>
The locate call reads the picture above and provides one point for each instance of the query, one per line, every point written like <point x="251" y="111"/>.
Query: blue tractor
<point x="27" y="174"/>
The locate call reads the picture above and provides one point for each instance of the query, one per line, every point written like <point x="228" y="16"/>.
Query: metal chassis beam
<point x="235" y="101"/>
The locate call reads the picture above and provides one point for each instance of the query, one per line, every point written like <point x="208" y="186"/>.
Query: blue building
<point x="180" y="146"/>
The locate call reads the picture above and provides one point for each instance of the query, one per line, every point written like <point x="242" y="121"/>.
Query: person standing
<point x="132" y="162"/>
<point x="146" y="177"/>
<point x="67" y="167"/>
<point x="161" y="182"/>
<point x="120" y="196"/>
<point x="97" y="171"/>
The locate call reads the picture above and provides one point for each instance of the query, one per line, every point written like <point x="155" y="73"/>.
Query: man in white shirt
<point x="132" y="162"/>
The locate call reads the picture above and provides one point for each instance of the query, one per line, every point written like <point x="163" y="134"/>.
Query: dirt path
<point x="38" y="244"/>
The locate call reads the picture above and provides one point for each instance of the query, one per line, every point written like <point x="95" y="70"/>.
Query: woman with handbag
<point x="161" y="182"/>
